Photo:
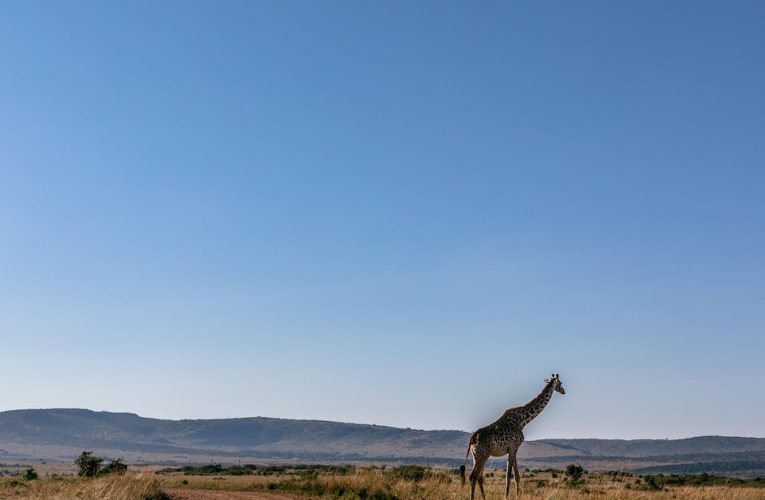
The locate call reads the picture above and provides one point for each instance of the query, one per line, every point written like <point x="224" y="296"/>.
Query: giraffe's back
<point x="499" y="438"/>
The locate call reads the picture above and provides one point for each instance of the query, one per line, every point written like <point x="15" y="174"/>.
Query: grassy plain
<point x="367" y="483"/>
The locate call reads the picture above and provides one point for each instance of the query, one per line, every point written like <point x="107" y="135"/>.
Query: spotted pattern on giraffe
<point x="505" y="436"/>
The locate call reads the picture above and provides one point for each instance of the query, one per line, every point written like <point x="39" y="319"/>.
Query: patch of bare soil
<point x="188" y="494"/>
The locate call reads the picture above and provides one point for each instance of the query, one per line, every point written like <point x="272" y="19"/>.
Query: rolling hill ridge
<point x="61" y="434"/>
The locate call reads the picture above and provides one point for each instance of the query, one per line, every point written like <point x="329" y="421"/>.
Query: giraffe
<point x="504" y="437"/>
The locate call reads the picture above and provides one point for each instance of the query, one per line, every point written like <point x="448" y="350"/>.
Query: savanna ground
<point x="408" y="482"/>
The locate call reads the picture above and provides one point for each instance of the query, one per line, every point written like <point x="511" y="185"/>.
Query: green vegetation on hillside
<point x="257" y="470"/>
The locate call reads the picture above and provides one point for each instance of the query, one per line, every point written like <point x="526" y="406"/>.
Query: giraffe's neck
<point x="530" y="410"/>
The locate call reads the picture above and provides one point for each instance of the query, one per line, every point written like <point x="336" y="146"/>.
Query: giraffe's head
<point x="557" y="385"/>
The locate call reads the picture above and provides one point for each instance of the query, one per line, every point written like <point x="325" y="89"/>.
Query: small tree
<point x="650" y="484"/>
<point x="574" y="474"/>
<point x="30" y="474"/>
<point x="88" y="465"/>
<point x="115" y="467"/>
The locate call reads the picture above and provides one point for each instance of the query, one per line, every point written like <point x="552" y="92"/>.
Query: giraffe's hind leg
<point x="476" y="475"/>
<point x="472" y="489"/>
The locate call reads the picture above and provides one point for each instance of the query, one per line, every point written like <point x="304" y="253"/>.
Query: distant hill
<point x="61" y="434"/>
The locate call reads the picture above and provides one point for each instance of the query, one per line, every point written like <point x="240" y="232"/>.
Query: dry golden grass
<point x="376" y="483"/>
<point x="130" y="486"/>
<point x="373" y="483"/>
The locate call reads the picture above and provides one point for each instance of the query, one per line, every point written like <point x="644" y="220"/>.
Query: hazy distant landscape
<point x="61" y="434"/>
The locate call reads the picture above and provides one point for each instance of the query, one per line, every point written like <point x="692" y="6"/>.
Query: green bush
<point x="408" y="472"/>
<point x="574" y="474"/>
<point x="662" y="480"/>
<point x="30" y="474"/>
<point x="115" y="467"/>
<point x="649" y="484"/>
<point x="88" y="465"/>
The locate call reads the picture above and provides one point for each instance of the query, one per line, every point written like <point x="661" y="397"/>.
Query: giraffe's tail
<point x="462" y="467"/>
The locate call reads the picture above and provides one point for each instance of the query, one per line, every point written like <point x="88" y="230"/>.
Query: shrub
<point x="408" y="472"/>
<point x="88" y="465"/>
<point x="115" y="467"/>
<point x="30" y="474"/>
<point x="574" y="474"/>
<point x="649" y="484"/>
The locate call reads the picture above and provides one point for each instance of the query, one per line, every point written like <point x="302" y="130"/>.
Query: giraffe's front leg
<point x="507" y="474"/>
<point x="516" y="475"/>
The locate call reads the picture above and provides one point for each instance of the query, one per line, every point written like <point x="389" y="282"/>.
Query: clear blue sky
<point x="403" y="213"/>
